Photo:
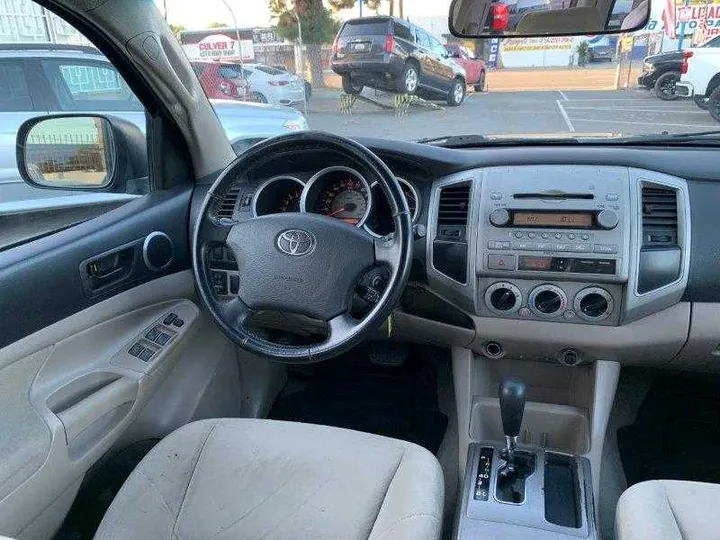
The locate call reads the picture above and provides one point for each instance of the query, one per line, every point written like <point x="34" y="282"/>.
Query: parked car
<point x="273" y="85"/>
<point x="391" y="54"/>
<point x="601" y="53"/>
<point x="660" y="73"/>
<point x="37" y="81"/>
<point x="221" y="80"/>
<point x="308" y="85"/>
<point x="700" y="78"/>
<point x="474" y="67"/>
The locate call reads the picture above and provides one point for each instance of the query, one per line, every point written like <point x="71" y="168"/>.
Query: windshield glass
<point x="391" y="69"/>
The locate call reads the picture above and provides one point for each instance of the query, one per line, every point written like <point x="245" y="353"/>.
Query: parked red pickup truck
<point x="474" y="67"/>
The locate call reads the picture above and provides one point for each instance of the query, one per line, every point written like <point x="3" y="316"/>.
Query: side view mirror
<point x="80" y="151"/>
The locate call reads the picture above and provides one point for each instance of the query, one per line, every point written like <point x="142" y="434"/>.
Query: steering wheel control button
<point x="594" y="304"/>
<point x="547" y="301"/>
<point x="170" y="318"/>
<point x="608" y="219"/>
<point x="219" y="282"/>
<point x="501" y="262"/>
<point x="607" y="249"/>
<point x="136" y="349"/>
<point x="499" y="217"/>
<point x="503" y="298"/>
<point x="296" y="242"/>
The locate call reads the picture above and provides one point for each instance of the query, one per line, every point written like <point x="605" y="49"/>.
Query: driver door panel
<point x="69" y="388"/>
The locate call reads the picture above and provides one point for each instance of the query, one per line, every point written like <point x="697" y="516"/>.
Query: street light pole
<point x="237" y="30"/>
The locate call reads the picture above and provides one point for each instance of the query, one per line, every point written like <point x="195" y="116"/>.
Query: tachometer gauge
<point x="341" y="193"/>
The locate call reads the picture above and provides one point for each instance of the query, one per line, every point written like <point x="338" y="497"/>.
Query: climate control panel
<point x="568" y="302"/>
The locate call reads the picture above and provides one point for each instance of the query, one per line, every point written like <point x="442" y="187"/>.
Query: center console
<point x="513" y="492"/>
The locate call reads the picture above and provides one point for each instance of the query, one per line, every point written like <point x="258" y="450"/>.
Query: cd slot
<point x="554" y="196"/>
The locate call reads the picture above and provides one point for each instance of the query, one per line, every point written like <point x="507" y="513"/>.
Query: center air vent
<point x="453" y="211"/>
<point x="226" y="208"/>
<point x="659" y="216"/>
<point x="450" y="245"/>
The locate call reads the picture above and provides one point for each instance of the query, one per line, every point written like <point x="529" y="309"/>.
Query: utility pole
<point x="301" y="54"/>
<point x="401" y="10"/>
<point x="165" y="9"/>
<point x="360" y="2"/>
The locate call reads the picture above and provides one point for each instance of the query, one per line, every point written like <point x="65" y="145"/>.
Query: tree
<point x="318" y="27"/>
<point x="177" y="29"/>
<point x="217" y="25"/>
<point x="337" y="5"/>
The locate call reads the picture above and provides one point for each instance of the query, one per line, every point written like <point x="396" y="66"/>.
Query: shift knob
<point x="512" y="405"/>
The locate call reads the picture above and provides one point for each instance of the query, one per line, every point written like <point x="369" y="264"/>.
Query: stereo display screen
<point x="553" y="220"/>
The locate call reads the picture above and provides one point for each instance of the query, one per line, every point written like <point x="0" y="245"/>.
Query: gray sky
<point x="198" y="14"/>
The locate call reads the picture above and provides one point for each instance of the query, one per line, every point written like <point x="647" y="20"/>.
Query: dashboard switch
<point x="146" y="355"/>
<point x="170" y="318"/>
<point x="153" y="334"/>
<point x="501" y="262"/>
<point x="178" y="322"/>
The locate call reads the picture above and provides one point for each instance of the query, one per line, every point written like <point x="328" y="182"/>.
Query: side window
<point x="437" y="47"/>
<point x="89" y="86"/>
<point x="403" y="32"/>
<point x="423" y="39"/>
<point x="713" y="43"/>
<point x="74" y="173"/>
<point x="15" y="95"/>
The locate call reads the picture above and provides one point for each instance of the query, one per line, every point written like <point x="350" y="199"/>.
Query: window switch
<point x="170" y="318"/>
<point x="162" y="339"/>
<point x="146" y="355"/>
<point x="178" y="322"/>
<point x="153" y="334"/>
<point x="136" y="350"/>
<point x="234" y="283"/>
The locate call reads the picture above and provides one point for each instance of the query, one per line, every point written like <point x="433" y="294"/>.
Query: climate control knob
<point x="500" y="217"/>
<point x="608" y="219"/>
<point x="593" y="304"/>
<point x="503" y="298"/>
<point x="547" y="301"/>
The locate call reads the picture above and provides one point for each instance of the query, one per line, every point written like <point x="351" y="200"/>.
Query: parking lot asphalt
<point x="628" y="112"/>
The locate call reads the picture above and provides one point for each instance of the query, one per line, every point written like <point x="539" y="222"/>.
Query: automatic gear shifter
<point x="512" y="406"/>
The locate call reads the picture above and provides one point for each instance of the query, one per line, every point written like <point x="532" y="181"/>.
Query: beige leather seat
<point x="669" y="510"/>
<point x="243" y="479"/>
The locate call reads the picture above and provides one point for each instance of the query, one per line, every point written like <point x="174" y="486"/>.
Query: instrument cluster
<point x="338" y="191"/>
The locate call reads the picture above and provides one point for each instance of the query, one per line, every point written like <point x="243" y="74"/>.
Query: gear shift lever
<point x="512" y="406"/>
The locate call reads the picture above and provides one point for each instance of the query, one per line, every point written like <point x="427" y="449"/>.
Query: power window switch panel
<point x="136" y="349"/>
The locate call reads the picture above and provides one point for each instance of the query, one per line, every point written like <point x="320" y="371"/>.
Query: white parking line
<point x="565" y="116"/>
<point x="639" y="123"/>
<point x="636" y="109"/>
<point x="563" y="95"/>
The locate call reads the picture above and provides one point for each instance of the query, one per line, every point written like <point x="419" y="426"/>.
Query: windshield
<point x="391" y="69"/>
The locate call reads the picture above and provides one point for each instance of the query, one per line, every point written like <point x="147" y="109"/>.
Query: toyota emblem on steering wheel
<point x="296" y="242"/>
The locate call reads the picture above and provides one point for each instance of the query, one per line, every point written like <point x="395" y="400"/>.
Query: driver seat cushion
<point x="669" y="510"/>
<point x="252" y="479"/>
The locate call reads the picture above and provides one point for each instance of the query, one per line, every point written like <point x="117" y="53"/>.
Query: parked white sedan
<point x="271" y="85"/>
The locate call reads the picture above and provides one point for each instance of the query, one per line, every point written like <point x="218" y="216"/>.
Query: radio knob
<point x="607" y="219"/>
<point x="500" y="217"/>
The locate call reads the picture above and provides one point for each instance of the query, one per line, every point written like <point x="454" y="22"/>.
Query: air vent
<point x="454" y="205"/>
<point x="226" y="208"/>
<point x="450" y="245"/>
<point x="659" y="216"/>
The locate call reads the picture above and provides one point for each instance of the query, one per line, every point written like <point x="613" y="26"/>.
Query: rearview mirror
<point x="72" y="152"/>
<point x="540" y="18"/>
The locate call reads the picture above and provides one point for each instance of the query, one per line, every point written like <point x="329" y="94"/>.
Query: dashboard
<point x="559" y="254"/>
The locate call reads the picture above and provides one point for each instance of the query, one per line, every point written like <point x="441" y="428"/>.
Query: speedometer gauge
<point x="339" y="192"/>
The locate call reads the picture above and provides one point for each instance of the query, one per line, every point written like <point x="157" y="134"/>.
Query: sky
<point x="196" y="15"/>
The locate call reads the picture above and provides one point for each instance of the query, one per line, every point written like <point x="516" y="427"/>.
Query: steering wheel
<point x="300" y="262"/>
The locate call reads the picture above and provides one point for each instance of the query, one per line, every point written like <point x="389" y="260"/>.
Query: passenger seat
<point x="669" y="510"/>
